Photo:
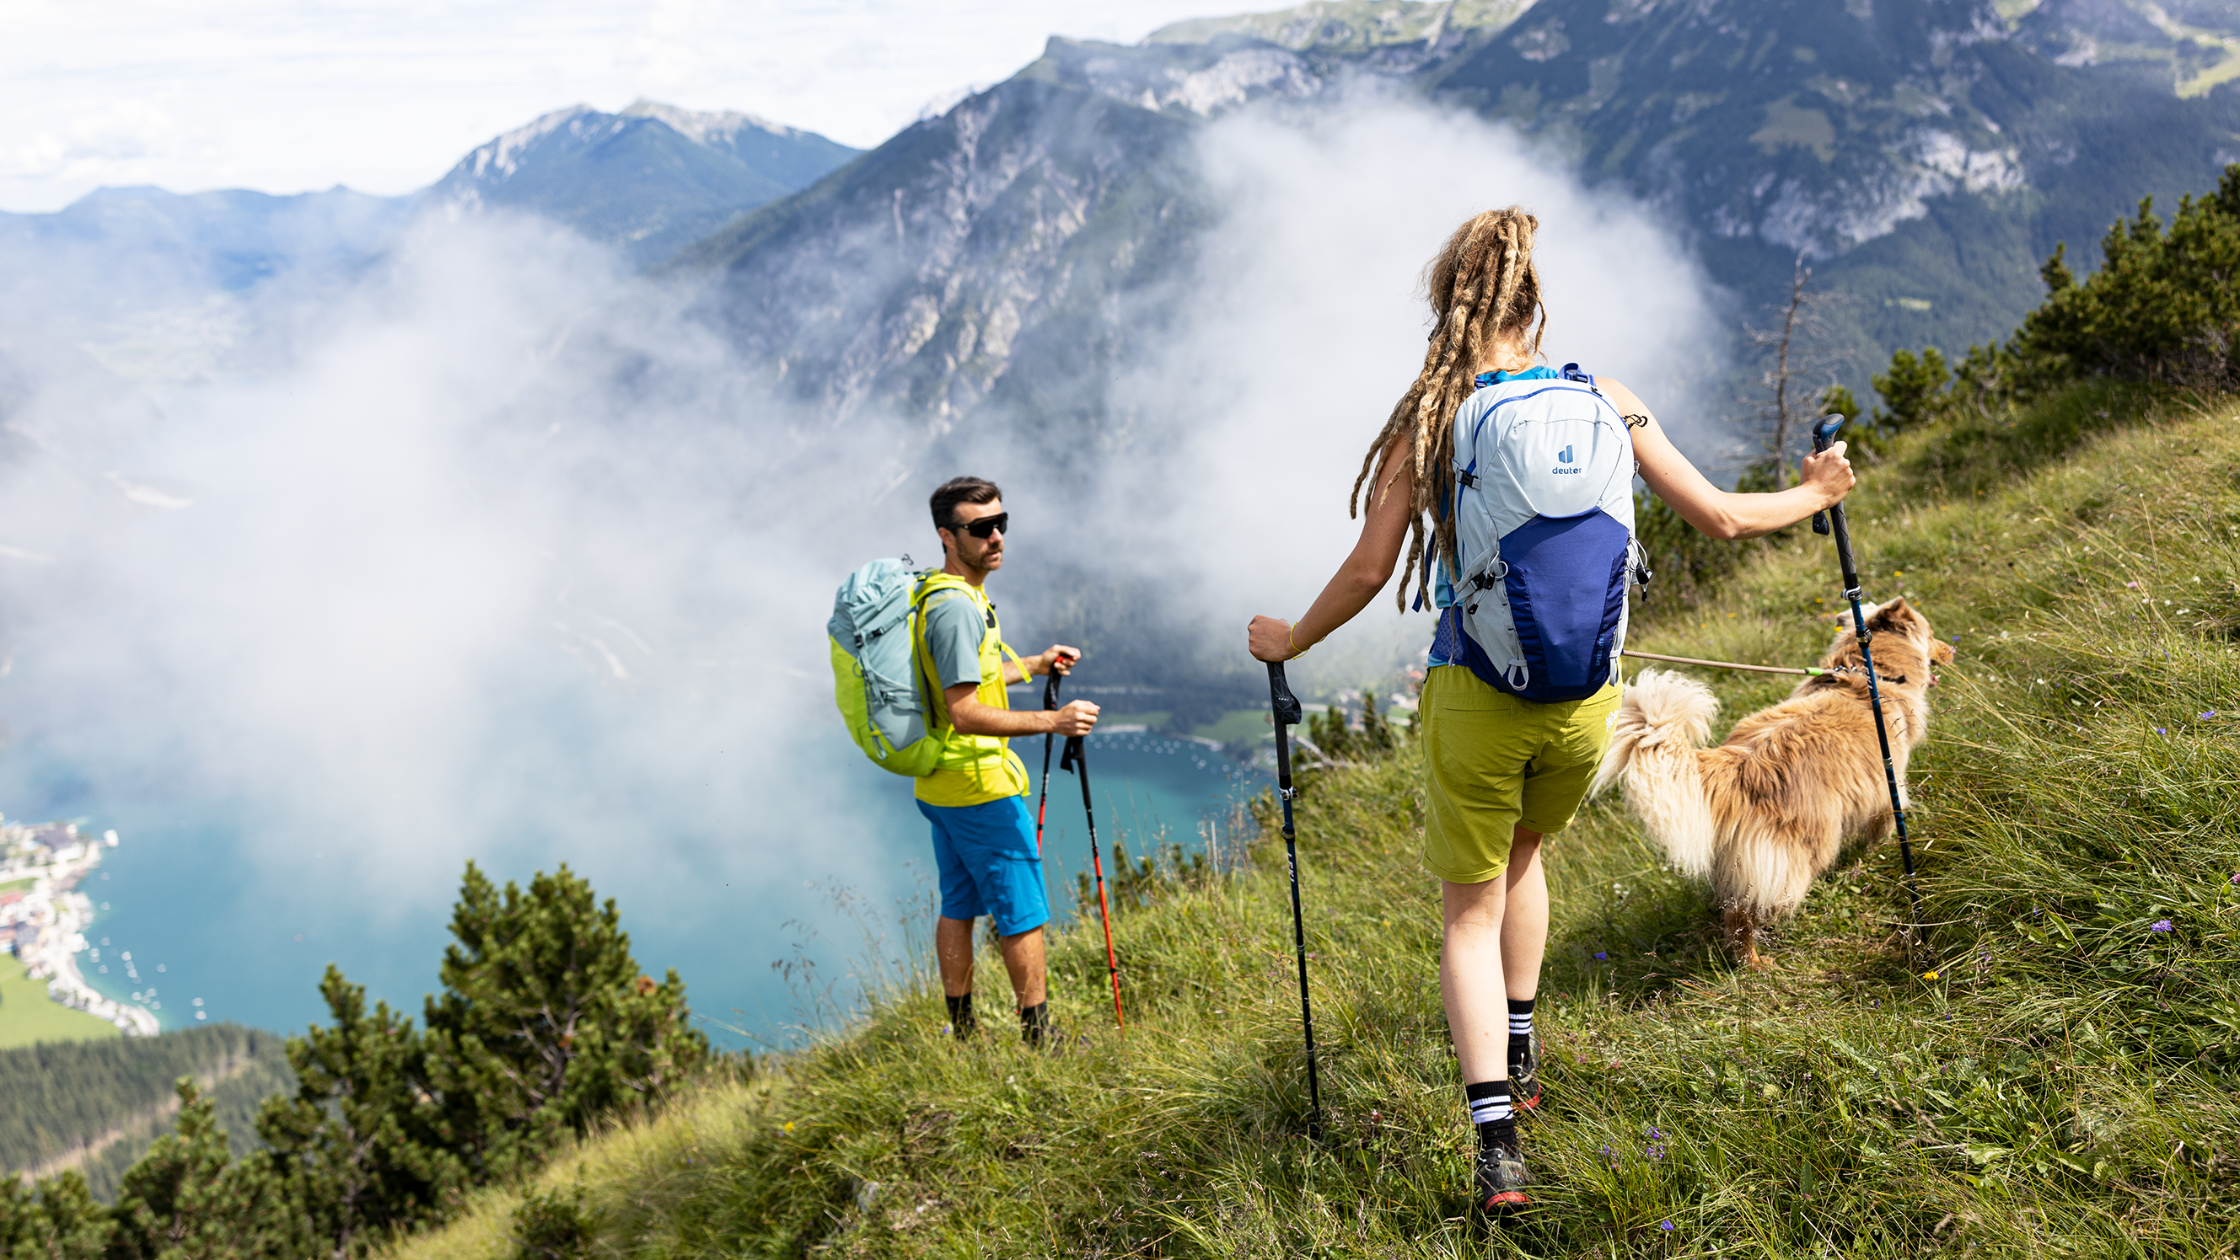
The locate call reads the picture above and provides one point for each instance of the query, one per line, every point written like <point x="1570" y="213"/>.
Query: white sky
<point x="384" y="95"/>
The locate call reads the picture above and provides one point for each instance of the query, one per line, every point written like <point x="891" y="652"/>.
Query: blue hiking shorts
<point x="988" y="863"/>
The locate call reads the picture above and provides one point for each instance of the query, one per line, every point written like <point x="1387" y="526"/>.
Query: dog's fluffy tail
<point x="1664" y="718"/>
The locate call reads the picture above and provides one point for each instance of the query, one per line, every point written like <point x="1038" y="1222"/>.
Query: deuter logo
<point x="1564" y="456"/>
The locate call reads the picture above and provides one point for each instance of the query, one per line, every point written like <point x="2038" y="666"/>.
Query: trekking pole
<point x="1042" y="804"/>
<point x="1076" y="759"/>
<point x="1821" y="436"/>
<point x="1288" y="712"/>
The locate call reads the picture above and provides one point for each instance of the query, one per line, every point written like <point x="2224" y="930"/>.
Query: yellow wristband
<point x="1290" y="644"/>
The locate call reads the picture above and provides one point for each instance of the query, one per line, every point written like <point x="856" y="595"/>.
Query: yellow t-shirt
<point x="973" y="769"/>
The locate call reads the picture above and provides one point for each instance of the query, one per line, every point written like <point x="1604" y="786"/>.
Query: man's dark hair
<point x="960" y="490"/>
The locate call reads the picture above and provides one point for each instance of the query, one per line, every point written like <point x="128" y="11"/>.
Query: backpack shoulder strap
<point x="922" y="599"/>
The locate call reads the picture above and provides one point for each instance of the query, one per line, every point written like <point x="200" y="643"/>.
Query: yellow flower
<point x="789" y="1126"/>
<point x="1926" y="975"/>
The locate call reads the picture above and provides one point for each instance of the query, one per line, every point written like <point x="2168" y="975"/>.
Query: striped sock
<point x="1489" y="1110"/>
<point x="1520" y="1018"/>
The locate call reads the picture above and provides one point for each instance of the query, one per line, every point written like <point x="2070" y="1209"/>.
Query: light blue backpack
<point x="1543" y="504"/>
<point x="874" y="671"/>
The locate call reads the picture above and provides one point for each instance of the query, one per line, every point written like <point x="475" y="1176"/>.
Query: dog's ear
<point x="1897" y="616"/>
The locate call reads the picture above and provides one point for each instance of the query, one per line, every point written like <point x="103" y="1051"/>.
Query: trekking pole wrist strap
<point x="1291" y="642"/>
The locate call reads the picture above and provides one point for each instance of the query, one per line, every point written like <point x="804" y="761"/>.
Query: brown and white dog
<point x="1765" y="813"/>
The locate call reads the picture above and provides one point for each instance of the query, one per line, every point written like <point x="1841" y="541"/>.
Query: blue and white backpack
<point x="1543" y="511"/>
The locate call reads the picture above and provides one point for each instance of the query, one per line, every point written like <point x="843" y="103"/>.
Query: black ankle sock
<point x="1033" y="1021"/>
<point x="1520" y="1018"/>
<point x="1489" y="1111"/>
<point x="960" y="1015"/>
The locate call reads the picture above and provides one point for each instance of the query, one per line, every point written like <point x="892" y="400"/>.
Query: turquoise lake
<point x="191" y="890"/>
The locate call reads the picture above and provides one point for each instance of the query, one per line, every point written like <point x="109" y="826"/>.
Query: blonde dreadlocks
<point x="1482" y="284"/>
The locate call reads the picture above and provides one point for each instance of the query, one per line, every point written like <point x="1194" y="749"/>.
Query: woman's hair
<point x="1482" y="283"/>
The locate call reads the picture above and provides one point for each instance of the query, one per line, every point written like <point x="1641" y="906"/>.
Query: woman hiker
<point x="1501" y="772"/>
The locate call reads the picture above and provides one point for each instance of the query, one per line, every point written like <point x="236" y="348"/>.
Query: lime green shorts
<point x="1493" y="762"/>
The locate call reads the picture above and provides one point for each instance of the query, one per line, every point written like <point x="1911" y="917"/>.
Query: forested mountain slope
<point x="1922" y="155"/>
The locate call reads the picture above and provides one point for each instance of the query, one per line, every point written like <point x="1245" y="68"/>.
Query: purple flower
<point x="1655" y="1132"/>
<point x="2236" y="879"/>
<point x="1666" y="1227"/>
<point x="2160" y="925"/>
<point x="2161" y="731"/>
<point x="1656" y="1152"/>
<point x="2210" y="714"/>
<point x="2131" y="586"/>
<point x="1600" y="956"/>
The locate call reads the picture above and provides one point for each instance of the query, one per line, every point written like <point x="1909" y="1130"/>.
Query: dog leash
<point x="1690" y="660"/>
<point x="1810" y="671"/>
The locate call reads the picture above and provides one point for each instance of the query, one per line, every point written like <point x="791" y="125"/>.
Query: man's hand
<point x="1270" y="639"/>
<point x="1058" y="659"/>
<point x="1828" y="472"/>
<point x="1079" y="717"/>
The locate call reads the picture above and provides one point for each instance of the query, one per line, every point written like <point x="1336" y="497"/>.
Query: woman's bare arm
<point x="1722" y="513"/>
<point x="1384" y="530"/>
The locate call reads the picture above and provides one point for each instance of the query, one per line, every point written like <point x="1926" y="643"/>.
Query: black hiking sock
<point x="1490" y="1112"/>
<point x="1520" y="1017"/>
<point x="960" y="1015"/>
<point x="1033" y="1022"/>
<point x="1520" y="1029"/>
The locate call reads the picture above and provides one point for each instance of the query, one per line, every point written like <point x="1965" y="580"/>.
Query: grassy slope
<point x="2063" y="1085"/>
<point x="28" y="1016"/>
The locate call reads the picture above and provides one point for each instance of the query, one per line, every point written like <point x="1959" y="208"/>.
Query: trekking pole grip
<point x="1050" y="689"/>
<point x="1287" y="708"/>
<point x="1822" y="434"/>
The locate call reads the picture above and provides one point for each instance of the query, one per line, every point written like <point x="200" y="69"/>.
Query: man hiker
<point x="976" y="796"/>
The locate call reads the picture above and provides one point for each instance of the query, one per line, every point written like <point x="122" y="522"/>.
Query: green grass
<point x="2052" y="1077"/>
<point x="1238" y="726"/>
<point x="18" y="885"/>
<point x="29" y="1016"/>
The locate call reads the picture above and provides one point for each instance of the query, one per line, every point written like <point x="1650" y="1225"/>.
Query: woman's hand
<point x="1829" y="473"/>
<point x="1270" y="639"/>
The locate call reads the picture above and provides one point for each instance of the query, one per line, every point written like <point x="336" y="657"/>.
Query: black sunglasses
<point x="985" y="526"/>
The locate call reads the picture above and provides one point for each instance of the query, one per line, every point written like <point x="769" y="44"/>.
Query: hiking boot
<point x="1501" y="1179"/>
<point x="1524" y="1074"/>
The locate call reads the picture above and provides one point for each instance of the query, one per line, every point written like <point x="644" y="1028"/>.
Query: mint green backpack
<point x="874" y="670"/>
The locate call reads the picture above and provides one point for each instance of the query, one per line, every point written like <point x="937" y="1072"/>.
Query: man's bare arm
<point x="974" y="718"/>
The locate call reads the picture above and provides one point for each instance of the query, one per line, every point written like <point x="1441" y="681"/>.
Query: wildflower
<point x="1600" y="956"/>
<point x="2236" y="879"/>
<point x="1666" y="1227"/>
<point x="789" y="1126"/>
<point x="2131" y="586"/>
<point x="2160" y="925"/>
<point x="1655" y="1132"/>
<point x="2210" y="714"/>
<point x="2161" y="730"/>
<point x="1656" y="1152"/>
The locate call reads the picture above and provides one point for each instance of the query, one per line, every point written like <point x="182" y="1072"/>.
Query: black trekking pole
<point x="1076" y="759"/>
<point x="1288" y="712"/>
<point x="1042" y="804"/>
<point x="1821" y="436"/>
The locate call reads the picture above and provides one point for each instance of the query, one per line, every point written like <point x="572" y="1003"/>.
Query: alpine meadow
<point x="516" y="502"/>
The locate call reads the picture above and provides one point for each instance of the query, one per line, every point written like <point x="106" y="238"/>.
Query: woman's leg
<point x="1524" y="924"/>
<point x="1470" y="978"/>
<point x="1496" y="935"/>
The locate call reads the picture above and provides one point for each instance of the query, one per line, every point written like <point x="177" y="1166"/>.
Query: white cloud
<point x="284" y="97"/>
<point x="1308" y="324"/>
